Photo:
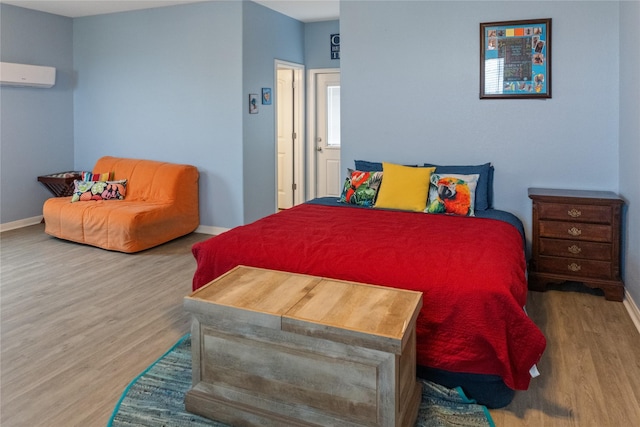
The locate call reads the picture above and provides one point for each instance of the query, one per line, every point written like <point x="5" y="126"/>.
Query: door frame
<point x="311" y="127"/>
<point x="298" y="126"/>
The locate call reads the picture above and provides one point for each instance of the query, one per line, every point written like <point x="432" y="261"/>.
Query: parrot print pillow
<point x="361" y="188"/>
<point x="452" y="194"/>
<point x="98" y="190"/>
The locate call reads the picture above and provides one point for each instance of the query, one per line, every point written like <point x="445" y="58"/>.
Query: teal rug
<point x="156" y="398"/>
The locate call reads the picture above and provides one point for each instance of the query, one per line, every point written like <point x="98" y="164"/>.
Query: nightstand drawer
<point x="575" y="267"/>
<point x="575" y="249"/>
<point x="575" y="212"/>
<point x="575" y="231"/>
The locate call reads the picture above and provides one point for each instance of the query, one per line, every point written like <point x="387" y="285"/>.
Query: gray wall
<point x="317" y="44"/>
<point x="267" y="36"/>
<point x="36" y="125"/>
<point x="411" y="70"/>
<point x="630" y="141"/>
<point x="166" y="84"/>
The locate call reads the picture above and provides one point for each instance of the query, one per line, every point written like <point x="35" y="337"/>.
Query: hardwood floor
<point x="590" y="369"/>
<point x="79" y="323"/>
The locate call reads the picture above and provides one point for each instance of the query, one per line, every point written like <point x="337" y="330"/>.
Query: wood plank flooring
<point x="590" y="369"/>
<point x="79" y="323"/>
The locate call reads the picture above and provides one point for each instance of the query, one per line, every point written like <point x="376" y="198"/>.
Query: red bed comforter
<point x="471" y="272"/>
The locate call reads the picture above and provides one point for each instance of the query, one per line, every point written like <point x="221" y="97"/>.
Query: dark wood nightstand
<point x="576" y="237"/>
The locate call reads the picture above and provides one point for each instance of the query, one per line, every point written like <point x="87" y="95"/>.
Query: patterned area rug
<point x="156" y="398"/>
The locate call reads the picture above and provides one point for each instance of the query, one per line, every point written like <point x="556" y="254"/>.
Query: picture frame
<point x="253" y="103"/>
<point x="515" y="59"/>
<point x="266" y="96"/>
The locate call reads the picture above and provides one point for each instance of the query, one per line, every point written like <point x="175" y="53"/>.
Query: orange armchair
<point x="161" y="204"/>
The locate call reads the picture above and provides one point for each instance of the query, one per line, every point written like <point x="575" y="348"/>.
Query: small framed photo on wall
<point x="253" y="103"/>
<point x="266" y="96"/>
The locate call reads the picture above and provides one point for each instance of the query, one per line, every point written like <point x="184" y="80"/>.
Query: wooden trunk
<point x="275" y="348"/>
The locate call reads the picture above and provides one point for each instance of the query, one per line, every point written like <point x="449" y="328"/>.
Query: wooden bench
<point x="276" y="348"/>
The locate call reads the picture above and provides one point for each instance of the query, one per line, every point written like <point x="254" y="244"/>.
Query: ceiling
<point x="302" y="10"/>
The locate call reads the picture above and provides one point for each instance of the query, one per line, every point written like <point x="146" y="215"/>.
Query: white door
<point x="328" y="135"/>
<point x="284" y="130"/>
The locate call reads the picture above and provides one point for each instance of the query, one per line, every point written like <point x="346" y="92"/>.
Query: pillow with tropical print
<point x="452" y="194"/>
<point x="361" y="188"/>
<point x="98" y="190"/>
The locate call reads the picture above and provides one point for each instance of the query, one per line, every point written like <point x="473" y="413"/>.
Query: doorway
<point x="289" y="111"/>
<point x="324" y="171"/>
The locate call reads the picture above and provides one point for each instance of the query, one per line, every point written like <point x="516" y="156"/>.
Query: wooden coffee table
<point x="276" y="348"/>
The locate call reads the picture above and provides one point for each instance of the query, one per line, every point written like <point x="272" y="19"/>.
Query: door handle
<point x="319" y="149"/>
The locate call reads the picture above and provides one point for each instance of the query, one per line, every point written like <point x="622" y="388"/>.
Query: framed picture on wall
<point x="266" y="96"/>
<point x="253" y="103"/>
<point x="515" y="59"/>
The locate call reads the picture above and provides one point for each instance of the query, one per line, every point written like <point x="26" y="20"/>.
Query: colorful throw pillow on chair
<point x="98" y="190"/>
<point x="361" y="188"/>
<point x="452" y="194"/>
<point x="90" y="176"/>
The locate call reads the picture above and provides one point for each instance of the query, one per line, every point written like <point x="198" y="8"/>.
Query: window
<point x="494" y="75"/>
<point x="333" y="116"/>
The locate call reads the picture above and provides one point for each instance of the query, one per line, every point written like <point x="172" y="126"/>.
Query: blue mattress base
<point x="487" y="390"/>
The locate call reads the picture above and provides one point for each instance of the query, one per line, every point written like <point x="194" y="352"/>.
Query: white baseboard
<point x="633" y="310"/>
<point x="208" y="229"/>
<point x="20" y="223"/>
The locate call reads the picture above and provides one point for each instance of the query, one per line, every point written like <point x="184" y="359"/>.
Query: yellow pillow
<point x="404" y="187"/>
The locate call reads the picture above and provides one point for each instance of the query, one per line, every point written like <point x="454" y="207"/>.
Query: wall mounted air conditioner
<point x="26" y="75"/>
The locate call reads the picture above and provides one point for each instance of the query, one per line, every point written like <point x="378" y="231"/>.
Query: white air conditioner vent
<point x="26" y="75"/>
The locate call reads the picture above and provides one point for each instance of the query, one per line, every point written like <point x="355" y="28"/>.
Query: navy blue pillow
<point x="365" y="166"/>
<point x="484" y="189"/>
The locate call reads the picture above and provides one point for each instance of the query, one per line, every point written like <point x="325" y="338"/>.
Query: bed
<point x="472" y="330"/>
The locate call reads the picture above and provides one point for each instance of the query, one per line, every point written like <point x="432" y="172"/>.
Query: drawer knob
<point x="574" y="249"/>
<point x="574" y="231"/>
<point x="574" y="267"/>
<point x="574" y="213"/>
